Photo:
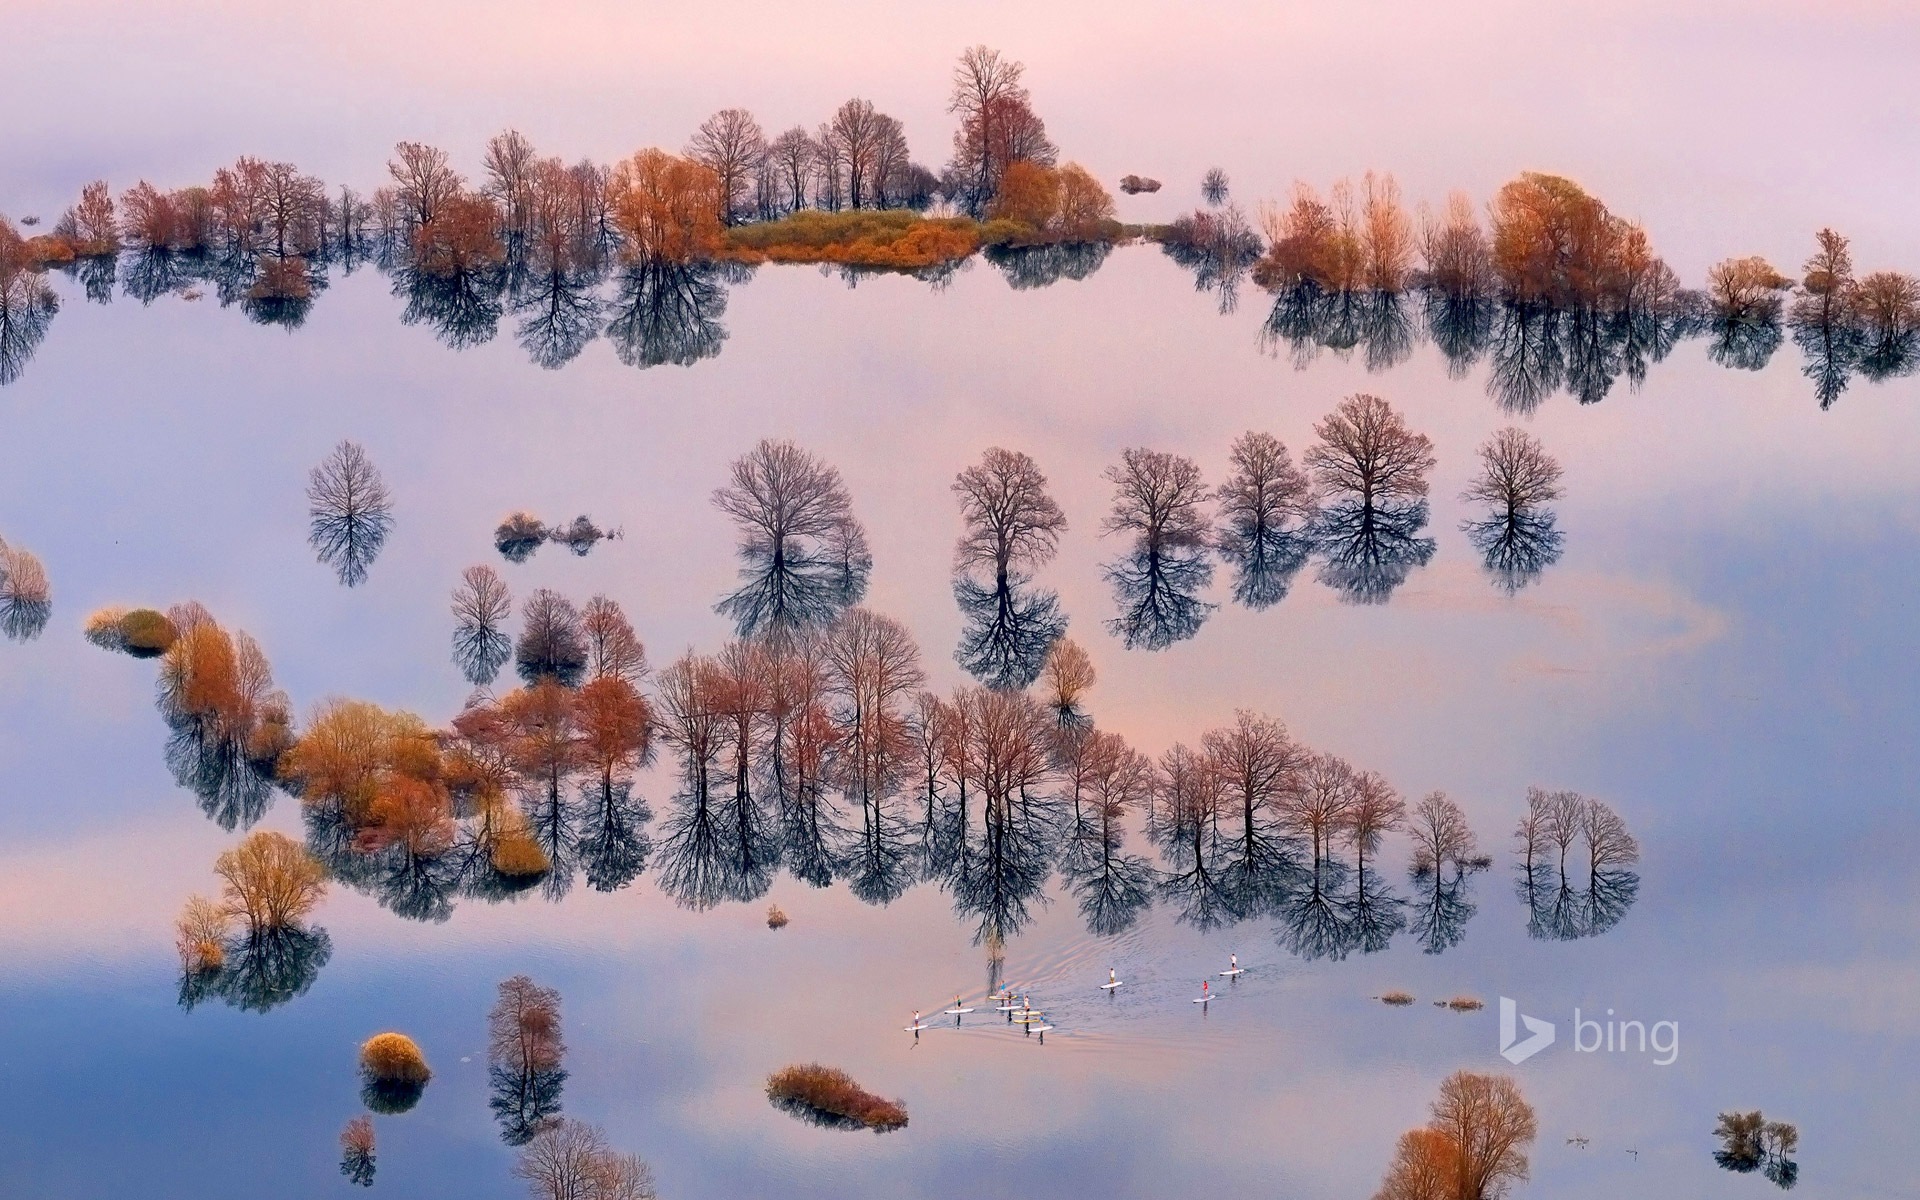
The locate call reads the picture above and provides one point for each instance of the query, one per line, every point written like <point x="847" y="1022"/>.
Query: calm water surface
<point x="1725" y="654"/>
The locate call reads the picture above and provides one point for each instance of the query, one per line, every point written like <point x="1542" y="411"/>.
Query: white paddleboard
<point x="955" y="1012"/>
<point x="1235" y="971"/>
<point x="1040" y="1029"/>
<point x="1107" y="987"/>
<point x="1008" y="1008"/>
<point x="915" y="1028"/>
<point x="1203" y="999"/>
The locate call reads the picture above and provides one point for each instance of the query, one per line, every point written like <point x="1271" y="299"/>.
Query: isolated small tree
<point x="1066" y="677"/>
<point x="350" y="511"/>
<point x="1367" y="452"/>
<point x="271" y="881"/>
<point x="481" y="605"/>
<point x="803" y="556"/>
<point x="1213" y="186"/>
<point x="1159" y="504"/>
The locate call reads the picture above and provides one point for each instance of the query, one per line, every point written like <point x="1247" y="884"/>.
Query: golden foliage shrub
<point x="832" y="1091"/>
<point x="393" y="1058"/>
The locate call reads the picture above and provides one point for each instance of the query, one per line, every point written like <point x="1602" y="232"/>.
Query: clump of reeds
<point x="1397" y="999"/>
<point x="519" y="536"/>
<point x="832" y="1092"/>
<point x="1465" y="1004"/>
<point x="394" y="1072"/>
<point x="141" y="632"/>
<point x="515" y="854"/>
<point x="776" y="917"/>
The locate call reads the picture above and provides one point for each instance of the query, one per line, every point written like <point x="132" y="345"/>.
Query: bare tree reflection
<point x="1218" y="247"/>
<point x="1041" y="266"/>
<point x="560" y="312"/>
<point x="1888" y="308"/>
<point x="1746" y="303"/>
<point x="481" y="605"/>
<point x="1445" y="856"/>
<point x="1563" y="902"/>
<point x="1012" y="528"/>
<point x="994" y="822"/>
<point x="700" y="860"/>
<point x="525" y="1059"/>
<point x="666" y="312"/>
<point x="1371" y="472"/>
<point x="803" y="554"/>
<point x="27" y="305"/>
<point x="1159" y="505"/>
<point x="1181" y="822"/>
<point x="1265" y="509"/>
<point x="1518" y="538"/>
<point x="1106" y="781"/>
<point x="26" y="599"/>
<point x="517" y="537"/>
<point x="262" y="970"/>
<point x="350" y="511"/>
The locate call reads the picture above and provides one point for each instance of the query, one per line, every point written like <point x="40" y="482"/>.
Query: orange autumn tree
<point x="1061" y="203"/>
<point x="666" y="208"/>
<point x="382" y="770"/>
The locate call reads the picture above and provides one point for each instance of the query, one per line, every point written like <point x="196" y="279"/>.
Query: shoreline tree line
<point x="1551" y="289"/>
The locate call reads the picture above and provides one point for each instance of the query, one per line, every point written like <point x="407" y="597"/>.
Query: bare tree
<point x="424" y="180"/>
<point x="553" y="641"/>
<point x="272" y="883"/>
<point x="1516" y="474"/>
<point x="855" y="133"/>
<point x="481" y="605"/>
<point x="1426" y="1166"/>
<point x="1012" y="527"/>
<point x="1065" y="678"/>
<point x="1610" y="847"/>
<point x="26" y="599"/>
<point x="1371" y="472"/>
<point x="357" y="1151"/>
<point x="1518" y="478"/>
<point x="1160" y="503"/>
<point x="524" y="1056"/>
<point x="571" y="1160"/>
<point x="986" y="87"/>
<point x="613" y="649"/>
<point x="792" y="158"/>
<point x="350" y="511"/>
<point x="1320" y="807"/>
<point x="1375" y="811"/>
<point x="1459" y="262"/>
<point x="1441" y="837"/>
<point x="872" y="668"/>
<point x="1492" y="1125"/>
<point x="1265" y="507"/>
<point x="1012" y="524"/>
<point x="1822" y="317"/>
<point x="1366" y="451"/>
<point x="731" y="144"/>
<point x="511" y="165"/>
<point x="799" y="543"/>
